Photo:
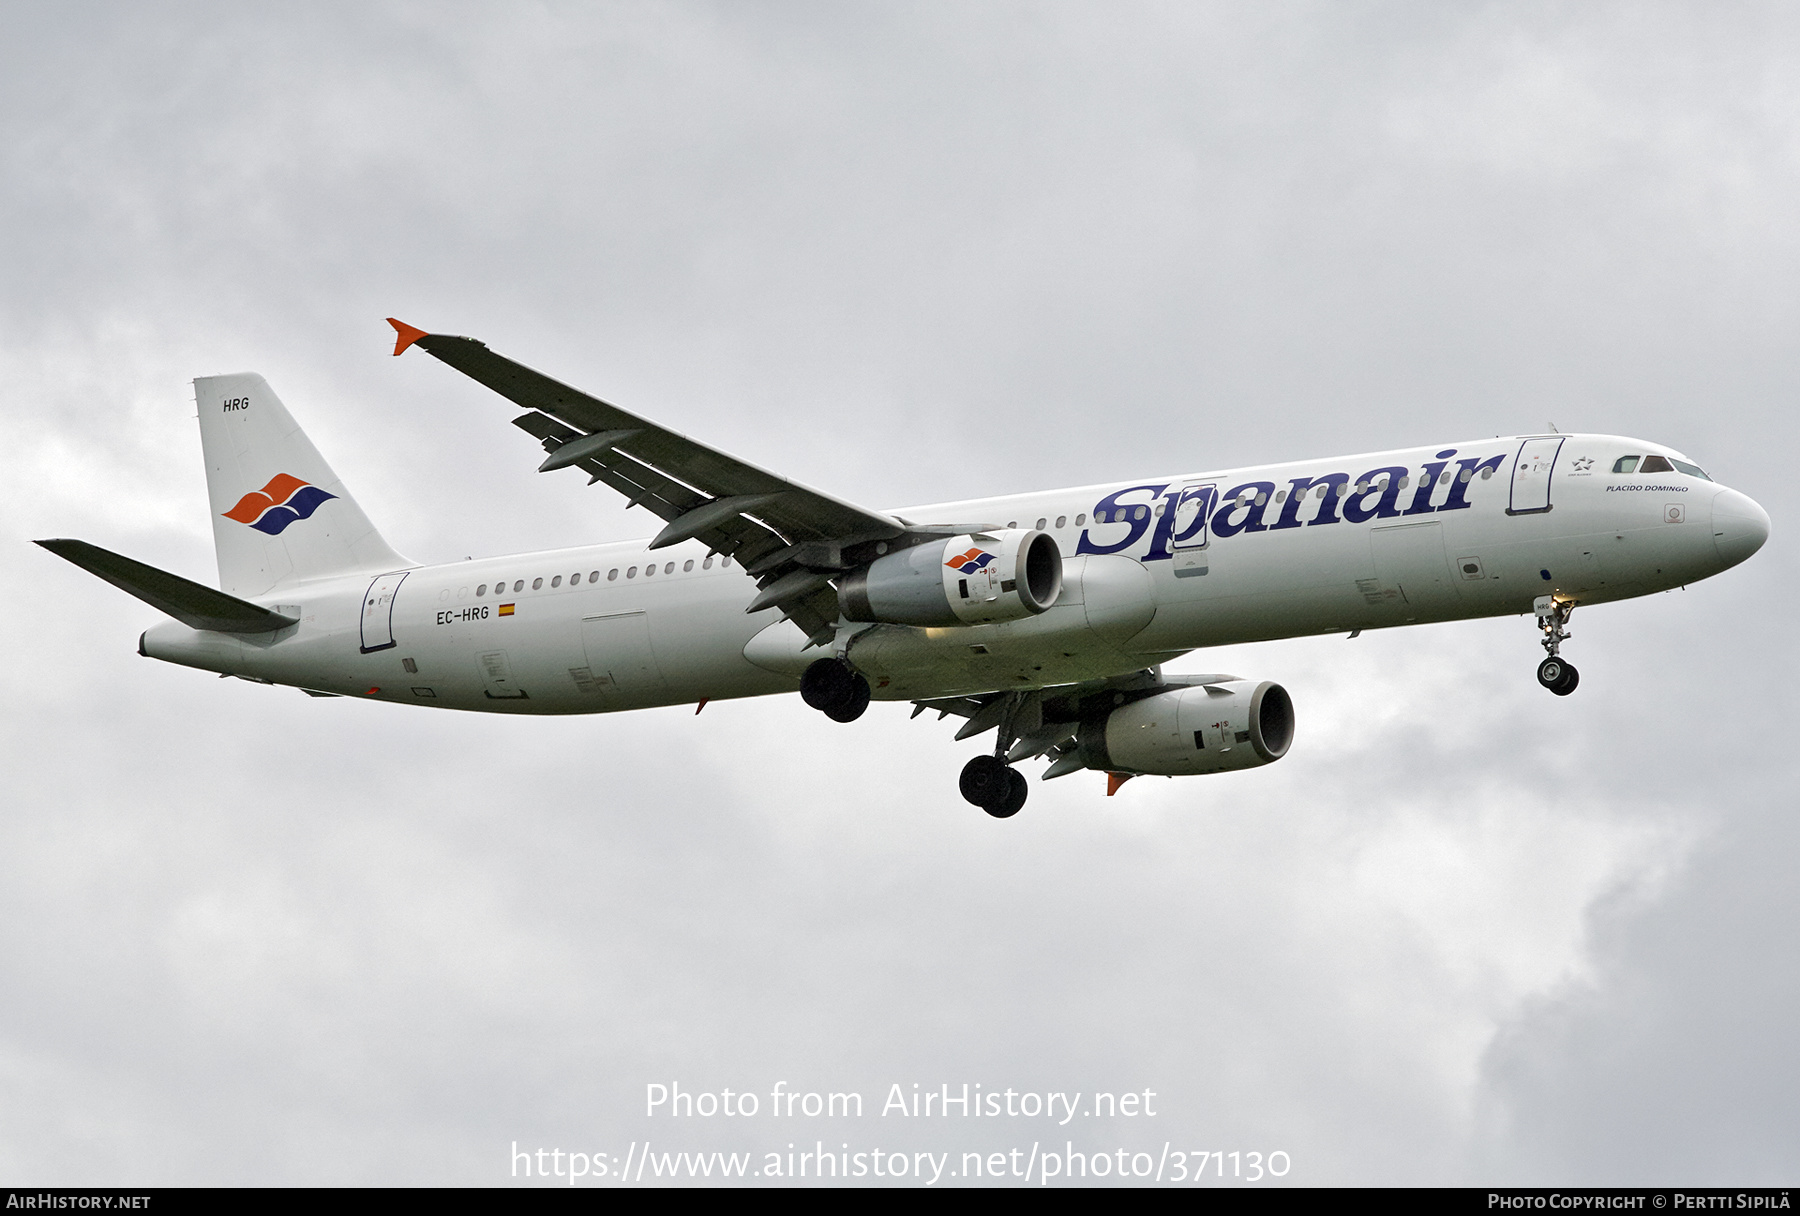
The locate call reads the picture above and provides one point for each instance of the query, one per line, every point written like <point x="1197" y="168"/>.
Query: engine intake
<point x="1208" y="728"/>
<point x="973" y="579"/>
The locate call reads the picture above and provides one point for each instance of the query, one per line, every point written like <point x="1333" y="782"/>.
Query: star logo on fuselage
<point x="1584" y="464"/>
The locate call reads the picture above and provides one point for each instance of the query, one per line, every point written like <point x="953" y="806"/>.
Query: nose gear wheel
<point x="1559" y="676"/>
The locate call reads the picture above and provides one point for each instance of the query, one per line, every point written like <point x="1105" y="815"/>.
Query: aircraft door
<point x="1410" y="559"/>
<point x="1189" y="535"/>
<point x="378" y="612"/>
<point x="1531" y="475"/>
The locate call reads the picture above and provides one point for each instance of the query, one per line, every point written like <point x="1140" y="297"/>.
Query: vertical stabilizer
<point x="280" y="515"/>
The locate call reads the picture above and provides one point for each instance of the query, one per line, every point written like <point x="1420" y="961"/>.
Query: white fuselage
<point x="1153" y="568"/>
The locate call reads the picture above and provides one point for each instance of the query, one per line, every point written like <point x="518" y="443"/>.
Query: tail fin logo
<point x="282" y="502"/>
<point x="970" y="562"/>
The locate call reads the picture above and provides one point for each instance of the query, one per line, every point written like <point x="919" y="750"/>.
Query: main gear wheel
<point x="994" y="786"/>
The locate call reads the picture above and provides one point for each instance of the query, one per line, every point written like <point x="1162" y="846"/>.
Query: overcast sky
<point x="1464" y="932"/>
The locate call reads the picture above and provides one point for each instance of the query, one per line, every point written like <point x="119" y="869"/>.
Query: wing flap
<point x="735" y="536"/>
<point x="801" y="513"/>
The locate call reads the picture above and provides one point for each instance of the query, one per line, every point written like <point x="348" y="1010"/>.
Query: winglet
<point x="404" y="335"/>
<point x="1115" y="780"/>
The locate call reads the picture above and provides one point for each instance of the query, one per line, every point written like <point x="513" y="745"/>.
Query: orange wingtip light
<point x="1115" y="780"/>
<point x="404" y="335"/>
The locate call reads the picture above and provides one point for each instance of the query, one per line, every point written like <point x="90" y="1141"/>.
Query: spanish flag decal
<point x="506" y="610"/>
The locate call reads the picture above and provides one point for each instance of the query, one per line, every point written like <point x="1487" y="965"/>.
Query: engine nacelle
<point x="972" y="579"/>
<point x="1208" y="728"/>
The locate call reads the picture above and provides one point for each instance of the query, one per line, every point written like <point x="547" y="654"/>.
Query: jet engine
<point x="973" y="579"/>
<point x="1213" y="727"/>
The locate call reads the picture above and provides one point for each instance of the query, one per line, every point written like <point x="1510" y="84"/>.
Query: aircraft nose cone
<point x="1740" y="526"/>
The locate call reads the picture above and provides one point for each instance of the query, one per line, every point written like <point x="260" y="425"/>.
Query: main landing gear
<point x="995" y="786"/>
<point x="1555" y="673"/>
<point x="832" y="688"/>
<point x="837" y="690"/>
<point x="991" y="782"/>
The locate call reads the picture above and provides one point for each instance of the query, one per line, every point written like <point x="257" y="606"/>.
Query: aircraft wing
<point x="790" y="536"/>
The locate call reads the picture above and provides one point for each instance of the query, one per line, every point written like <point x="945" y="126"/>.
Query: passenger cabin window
<point x="536" y="584"/>
<point x="518" y="584"/>
<point x="707" y="564"/>
<point x="556" y="582"/>
<point x="481" y="590"/>
<point x="687" y="566"/>
<point x="1062" y="520"/>
<point x="1656" y="464"/>
<point x="612" y="575"/>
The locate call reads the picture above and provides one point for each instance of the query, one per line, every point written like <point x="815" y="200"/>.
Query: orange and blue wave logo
<point x="970" y="562"/>
<point x="282" y="502"/>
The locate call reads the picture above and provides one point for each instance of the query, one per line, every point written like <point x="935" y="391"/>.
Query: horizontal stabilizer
<point x="193" y="605"/>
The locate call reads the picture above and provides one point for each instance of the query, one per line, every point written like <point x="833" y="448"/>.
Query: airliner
<point x="1045" y="618"/>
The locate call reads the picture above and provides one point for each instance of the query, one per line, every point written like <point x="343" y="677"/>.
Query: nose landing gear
<point x="1555" y="673"/>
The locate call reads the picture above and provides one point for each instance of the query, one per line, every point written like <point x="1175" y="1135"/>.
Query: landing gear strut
<point x="994" y="786"/>
<point x="1555" y="673"/>
<point x="832" y="688"/>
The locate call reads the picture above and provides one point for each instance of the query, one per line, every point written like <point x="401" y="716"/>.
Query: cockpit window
<point x="1692" y="470"/>
<point x="1625" y="464"/>
<point x="1656" y="464"/>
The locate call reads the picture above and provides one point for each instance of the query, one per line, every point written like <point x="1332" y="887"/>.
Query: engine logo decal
<point x="283" y="501"/>
<point x="970" y="562"/>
